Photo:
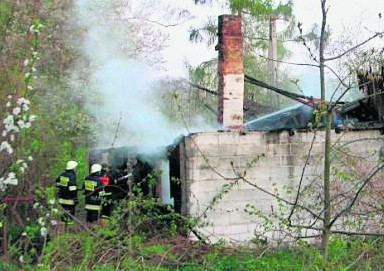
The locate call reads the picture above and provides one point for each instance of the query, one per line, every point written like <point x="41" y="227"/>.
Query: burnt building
<point x="230" y="178"/>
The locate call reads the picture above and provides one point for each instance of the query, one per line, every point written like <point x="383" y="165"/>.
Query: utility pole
<point x="274" y="98"/>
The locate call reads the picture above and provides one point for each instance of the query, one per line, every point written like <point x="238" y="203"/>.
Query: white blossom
<point x="21" y="124"/>
<point x="4" y="133"/>
<point x="27" y="74"/>
<point x="29" y="87"/>
<point x="53" y="222"/>
<point x="23" y="165"/>
<point x="21" y="259"/>
<point x="6" y="146"/>
<point x="11" y="175"/>
<point x="41" y="221"/>
<point x="12" y="138"/>
<point x="32" y="118"/>
<point x="9" y="120"/>
<point x="9" y="96"/>
<point x="10" y="180"/>
<point x="43" y="231"/>
<point x="25" y="107"/>
<point x="24" y="233"/>
<point x="26" y="62"/>
<point x="8" y="104"/>
<point x="51" y="201"/>
<point x="36" y="205"/>
<point x="16" y="111"/>
<point x="9" y="124"/>
<point x="29" y="158"/>
<point x="22" y="100"/>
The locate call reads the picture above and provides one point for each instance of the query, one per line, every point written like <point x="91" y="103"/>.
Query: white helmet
<point x="71" y="165"/>
<point x="95" y="168"/>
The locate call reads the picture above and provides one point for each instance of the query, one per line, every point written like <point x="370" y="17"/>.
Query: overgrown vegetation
<point x="48" y="125"/>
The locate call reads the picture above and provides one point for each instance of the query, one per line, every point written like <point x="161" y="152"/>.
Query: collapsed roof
<point x="364" y="113"/>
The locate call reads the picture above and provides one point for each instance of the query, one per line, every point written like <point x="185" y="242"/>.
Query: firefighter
<point x="108" y="198"/>
<point x="93" y="189"/>
<point x="67" y="195"/>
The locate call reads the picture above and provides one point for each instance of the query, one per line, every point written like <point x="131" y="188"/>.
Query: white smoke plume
<point x="119" y="87"/>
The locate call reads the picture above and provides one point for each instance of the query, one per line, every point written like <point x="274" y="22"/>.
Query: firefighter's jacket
<point x="94" y="190"/>
<point x="66" y="183"/>
<point x="108" y="189"/>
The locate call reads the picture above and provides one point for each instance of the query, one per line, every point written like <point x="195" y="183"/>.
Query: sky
<point x="343" y="15"/>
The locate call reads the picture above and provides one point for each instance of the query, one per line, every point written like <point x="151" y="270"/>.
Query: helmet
<point x="71" y="165"/>
<point x="95" y="168"/>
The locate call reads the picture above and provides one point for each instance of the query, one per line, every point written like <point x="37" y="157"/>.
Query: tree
<point x="35" y="63"/>
<point x="332" y="209"/>
<point x="258" y="17"/>
<point x="328" y="220"/>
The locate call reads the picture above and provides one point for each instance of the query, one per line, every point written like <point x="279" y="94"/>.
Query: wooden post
<point x="274" y="98"/>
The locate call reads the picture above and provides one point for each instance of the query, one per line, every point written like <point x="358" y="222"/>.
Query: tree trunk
<point x="327" y="147"/>
<point x="327" y="194"/>
<point x="272" y="64"/>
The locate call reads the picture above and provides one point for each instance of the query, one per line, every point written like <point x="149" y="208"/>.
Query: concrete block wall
<point x="209" y="162"/>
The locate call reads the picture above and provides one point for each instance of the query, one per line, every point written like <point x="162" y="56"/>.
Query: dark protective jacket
<point x="67" y="185"/>
<point x="94" y="190"/>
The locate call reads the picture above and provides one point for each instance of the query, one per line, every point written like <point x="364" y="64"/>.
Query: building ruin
<point x="230" y="178"/>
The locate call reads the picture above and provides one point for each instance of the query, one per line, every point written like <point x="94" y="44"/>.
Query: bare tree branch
<point x="352" y="203"/>
<point x="290" y="63"/>
<point x="203" y="88"/>
<point x="358" y="233"/>
<point x="301" y="178"/>
<point x="282" y="199"/>
<point x="354" y="47"/>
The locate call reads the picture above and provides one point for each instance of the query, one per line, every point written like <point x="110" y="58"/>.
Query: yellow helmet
<point x="71" y="165"/>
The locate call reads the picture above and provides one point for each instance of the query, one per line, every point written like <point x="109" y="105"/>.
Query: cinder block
<point x="247" y="149"/>
<point x="217" y="218"/>
<point x="231" y="138"/>
<point x="201" y="139"/>
<point x="253" y="138"/>
<point x="241" y="218"/>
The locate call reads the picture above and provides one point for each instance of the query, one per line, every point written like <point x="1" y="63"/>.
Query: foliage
<point x="255" y="20"/>
<point x="181" y="254"/>
<point x="33" y="53"/>
<point x="183" y="103"/>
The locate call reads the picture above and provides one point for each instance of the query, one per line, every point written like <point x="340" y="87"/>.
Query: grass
<point x="181" y="254"/>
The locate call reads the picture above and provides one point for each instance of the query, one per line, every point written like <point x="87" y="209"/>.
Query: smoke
<point x="119" y="90"/>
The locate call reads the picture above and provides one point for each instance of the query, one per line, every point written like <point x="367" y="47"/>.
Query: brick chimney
<point x="231" y="72"/>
